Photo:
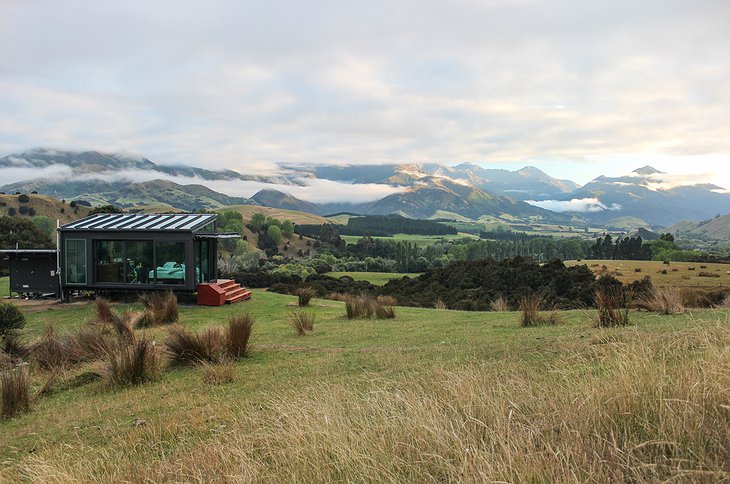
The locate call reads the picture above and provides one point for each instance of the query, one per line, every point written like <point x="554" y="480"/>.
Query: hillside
<point x="166" y="193"/>
<point x="280" y="213"/>
<point x="435" y="195"/>
<point x="716" y="228"/>
<point x="42" y="205"/>
<point x="278" y="199"/>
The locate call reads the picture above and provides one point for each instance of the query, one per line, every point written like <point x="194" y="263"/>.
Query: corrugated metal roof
<point x="169" y="222"/>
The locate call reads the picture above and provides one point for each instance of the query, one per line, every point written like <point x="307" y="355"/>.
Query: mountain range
<point x="464" y="191"/>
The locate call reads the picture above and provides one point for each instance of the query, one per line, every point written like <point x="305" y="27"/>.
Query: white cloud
<point x="574" y="205"/>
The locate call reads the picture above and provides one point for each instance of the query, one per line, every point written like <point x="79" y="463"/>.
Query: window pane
<point x="170" y="262"/>
<point x="75" y="261"/>
<point x="138" y="257"/>
<point x="109" y="261"/>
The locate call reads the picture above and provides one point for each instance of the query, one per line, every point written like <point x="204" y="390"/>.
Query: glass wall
<point x="202" y="260"/>
<point x="138" y="261"/>
<point x="170" y="262"/>
<point x="109" y="261"/>
<point x="124" y="261"/>
<point x="75" y="261"/>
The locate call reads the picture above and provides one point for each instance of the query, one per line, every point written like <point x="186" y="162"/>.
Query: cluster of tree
<point x="271" y="231"/>
<point x="634" y="248"/>
<point x="474" y="285"/>
<point x="381" y="226"/>
<point x="626" y="248"/>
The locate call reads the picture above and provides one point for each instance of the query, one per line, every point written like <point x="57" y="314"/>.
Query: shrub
<point x="31" y="211"/>
<point x="23" y="210"/>
<point x="637" y="269"/>
<point x="500" y="304"/>
<point x="217" y="373"/>
<point x="13" y="346"/>
<point x="12" y="212"/>
<point x="23" y="198"/>
<point x="613" y="306"/>
<point x="14" y="392"/>
<point x="12" y="319"/>
<point x="132" y="363"/>
<point x="159" y="308"/>
<point x="185" y="347"/>
<point x="302" y="321"/>
<point x="238" y="335"/>
<point x="665" y="300"/>
<point x="305" y="294"/>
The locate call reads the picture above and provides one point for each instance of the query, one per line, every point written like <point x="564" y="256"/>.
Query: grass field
<point x="434" y="395"/>
<point x="680" y="274"/>
<point x="282" y="214"/>
<point x="377" y="278"/>
<point x="420" y="240"/>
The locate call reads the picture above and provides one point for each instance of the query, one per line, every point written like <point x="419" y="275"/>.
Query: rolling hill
<point x="42" y="205"/>
<point x="716" y="228"/>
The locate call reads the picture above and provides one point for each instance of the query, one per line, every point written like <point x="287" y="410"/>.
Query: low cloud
<point x="309" y="189"/>
<point x="574" y="205"/>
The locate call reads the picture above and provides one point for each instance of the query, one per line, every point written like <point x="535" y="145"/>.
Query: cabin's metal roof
<point x="136" y="222"/>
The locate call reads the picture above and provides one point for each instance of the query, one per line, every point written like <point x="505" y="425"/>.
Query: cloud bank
<point x="575" y="205"/>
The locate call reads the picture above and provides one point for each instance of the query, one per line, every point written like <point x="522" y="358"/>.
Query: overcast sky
<point x="577" y="88"/>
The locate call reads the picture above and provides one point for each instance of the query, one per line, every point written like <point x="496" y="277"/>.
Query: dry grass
<point x="14" y="392"/>
<point x="612" y="303"/>
<point x="302" y="322"/>
<point x="364" y="306"/>
<point x="439" y="304"/>
<point x="48" y="350"/>
<point x="641" y="408"/>
<point x="104" y="311"/>
<point x="664" y="300"/>
<point x="304" y="295"/>
<point x="217" y="373"/>
<point x="132" y="363"/>
<point x="531" y="315"/>
<point x="238" y="335"/>
<point x="500" y="305"/>
<point x="385" y="307"/>
<point x="185" y="347"/>
<point x="159" y="308"/>
<point x="125" y="323"/>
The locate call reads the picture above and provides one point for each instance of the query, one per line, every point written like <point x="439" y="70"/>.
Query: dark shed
<point x="33" y="270"/>
<point x="133" y="252"/>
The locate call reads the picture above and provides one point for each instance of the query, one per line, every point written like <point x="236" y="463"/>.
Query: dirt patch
<point x="38" y="305"/>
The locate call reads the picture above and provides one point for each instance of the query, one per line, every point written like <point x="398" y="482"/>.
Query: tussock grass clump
<point x="530" y="305"/>
<point x="125" y="323"/>
<point x="238" y="335"/>
<point x="133" y="363"/>
<point x="385" y="307"/>
<point x="14" y="392"/>
<point x="364" y="306"/>
<point x="47" y="351"/>
<point x="664" y="300"/>
<point x="217" y="373"/>
<point x="359" y="307"/>
<point x="104" y="311"/>
<point x="13" y="346"/>
<point x="613" y="304"/>
<point x="500" y="305"/>
<point x="439" y="304"/>
<point x="302" y="322"/>
<point x="186" y="347"/>
<point x="159" y="308"/>
<point x="304" y="295"/>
